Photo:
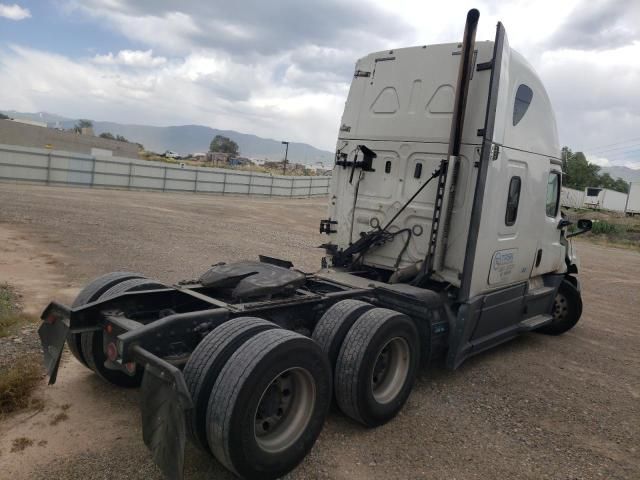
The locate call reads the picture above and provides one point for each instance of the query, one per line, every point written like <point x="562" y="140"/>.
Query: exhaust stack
<point x="449" y="174"/>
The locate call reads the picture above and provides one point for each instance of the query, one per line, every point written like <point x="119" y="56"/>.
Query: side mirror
<point x="583" y="225"/>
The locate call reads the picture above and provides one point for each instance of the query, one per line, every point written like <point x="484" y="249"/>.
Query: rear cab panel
<point x="400" y="106"/>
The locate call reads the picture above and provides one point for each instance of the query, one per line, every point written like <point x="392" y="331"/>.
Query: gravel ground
<point x="537" y="407"/>
<point x="24" y="341"/>
<point x="20" y="339"/>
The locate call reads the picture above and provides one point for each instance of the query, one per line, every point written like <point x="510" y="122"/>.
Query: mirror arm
<point x="579" y="232"/>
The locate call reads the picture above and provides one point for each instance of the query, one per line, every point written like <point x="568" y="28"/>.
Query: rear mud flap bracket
<point x="164" y="398"/>
<point x="53" y="333"/>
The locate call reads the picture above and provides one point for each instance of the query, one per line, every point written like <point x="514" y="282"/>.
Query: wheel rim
<point x="390" y="370"/>
<point x="560" y="307"/>
<point x="285" y="409"/>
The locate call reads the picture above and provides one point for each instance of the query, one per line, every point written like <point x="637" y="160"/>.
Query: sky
<point x="282" y="68"/>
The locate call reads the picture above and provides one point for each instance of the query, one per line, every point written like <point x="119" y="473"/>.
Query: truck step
<point x="540" y="292"/>
<point x="535" y="322"/>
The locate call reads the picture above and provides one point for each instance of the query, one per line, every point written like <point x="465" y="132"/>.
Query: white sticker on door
<point x="503" y="266"/>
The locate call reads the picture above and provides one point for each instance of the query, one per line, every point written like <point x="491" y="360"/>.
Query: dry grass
<point x="11" y="318"/>
<point x="19" y="444"/>
<point x="60" y="417"/>
<point x="609" y="228"/>
<point x="17" y="383"/>
<point x="21" y="377"/>
<point x="9" y="324"/>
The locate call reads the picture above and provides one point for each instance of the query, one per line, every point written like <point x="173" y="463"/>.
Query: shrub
<point x="605" y="228"/>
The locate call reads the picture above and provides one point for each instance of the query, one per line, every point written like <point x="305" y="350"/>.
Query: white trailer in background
<point x="571" y="198"/>
<point x="593" y="197"/>
<point x="605" y="199"/>
<point x="633" y="199"/>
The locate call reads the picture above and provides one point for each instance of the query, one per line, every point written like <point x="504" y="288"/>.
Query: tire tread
<point x="197" y="371"/>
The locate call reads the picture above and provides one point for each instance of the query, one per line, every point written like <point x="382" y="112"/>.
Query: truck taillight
<point x="112" y="351"/>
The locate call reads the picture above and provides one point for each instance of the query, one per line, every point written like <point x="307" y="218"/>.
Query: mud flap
<point x="53" y="333"/>
<point x="164" y="398"/>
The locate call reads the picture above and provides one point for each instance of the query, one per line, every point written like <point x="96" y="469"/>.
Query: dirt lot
<point x="538" y="407"/>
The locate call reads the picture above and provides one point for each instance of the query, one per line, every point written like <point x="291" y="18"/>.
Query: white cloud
<point x="601" y="161"/>
<point x="14" y="12"/>
<point x="594" y="94"/>
<point x="132" y="58"/>
<point x="203" y="88"/>
<point x="275" y="71"/>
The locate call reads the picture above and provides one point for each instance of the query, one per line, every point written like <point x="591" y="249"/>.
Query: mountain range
<point x="185" y="139"/>
<point x="625" y="173"/>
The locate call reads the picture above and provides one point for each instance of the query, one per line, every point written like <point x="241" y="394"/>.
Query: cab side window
<point x="553" y="194"/>
<point x="513" y="199"/>
<point x="524" y="94"/>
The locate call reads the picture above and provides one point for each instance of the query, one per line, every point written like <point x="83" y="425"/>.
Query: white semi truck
<point x="605" y="199"/>
<point x="633" y="199"/>
<point x="445" y="238"/>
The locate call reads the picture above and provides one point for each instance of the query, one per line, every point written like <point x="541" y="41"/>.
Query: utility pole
<point x="286" y="152"/>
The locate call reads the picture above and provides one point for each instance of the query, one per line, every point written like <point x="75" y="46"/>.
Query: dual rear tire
<point x="374" y="356"/>
<point x="260" y="394"/>
<point x="87" y="347"/>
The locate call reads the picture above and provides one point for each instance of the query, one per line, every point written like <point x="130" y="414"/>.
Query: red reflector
<point x="51" y="318"/>
<point x="112" y="351"/>
<point x="109" y="328"/>
<point x="131" y="367"/>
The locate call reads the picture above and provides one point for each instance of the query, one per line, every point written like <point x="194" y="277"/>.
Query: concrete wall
<point x="52" y="167"/>
<point x="16" y="133"/>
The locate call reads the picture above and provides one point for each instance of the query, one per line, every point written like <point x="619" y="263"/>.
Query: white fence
<point x="51" y="167"/>
<point x="571" y="198"/>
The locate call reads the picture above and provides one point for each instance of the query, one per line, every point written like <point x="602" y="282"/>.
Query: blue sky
<point x="285" y="65"/>
<point x="57" y="29"/>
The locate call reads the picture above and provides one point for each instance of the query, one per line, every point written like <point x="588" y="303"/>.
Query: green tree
<point x="82" y="123"/>
<point x="620" y="185"/>
<point x="222" y="144"/>
<point x="579" y="173"/>
<point x="120" y="138"/>
<point x="107" y="135"/>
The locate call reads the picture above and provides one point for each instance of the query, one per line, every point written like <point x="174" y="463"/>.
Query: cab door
<point x="549" y="254"/>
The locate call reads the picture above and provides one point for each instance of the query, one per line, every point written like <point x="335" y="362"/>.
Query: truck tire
<point x="566" y="310"/>
<point x="88" y="294"/>
<point x="377" y="366"/>
<point x="333" y="326"/>
<point x="92" y="345"/>
<point x="205" y="364"/>
<point x="269" y="404"/>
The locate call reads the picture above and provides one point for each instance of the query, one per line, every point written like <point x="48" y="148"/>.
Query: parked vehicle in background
<point x="633" y="199"/>
<point x="571" y="198"/>
<point x="170" y="154"/>
<point x="604" y="199"/>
